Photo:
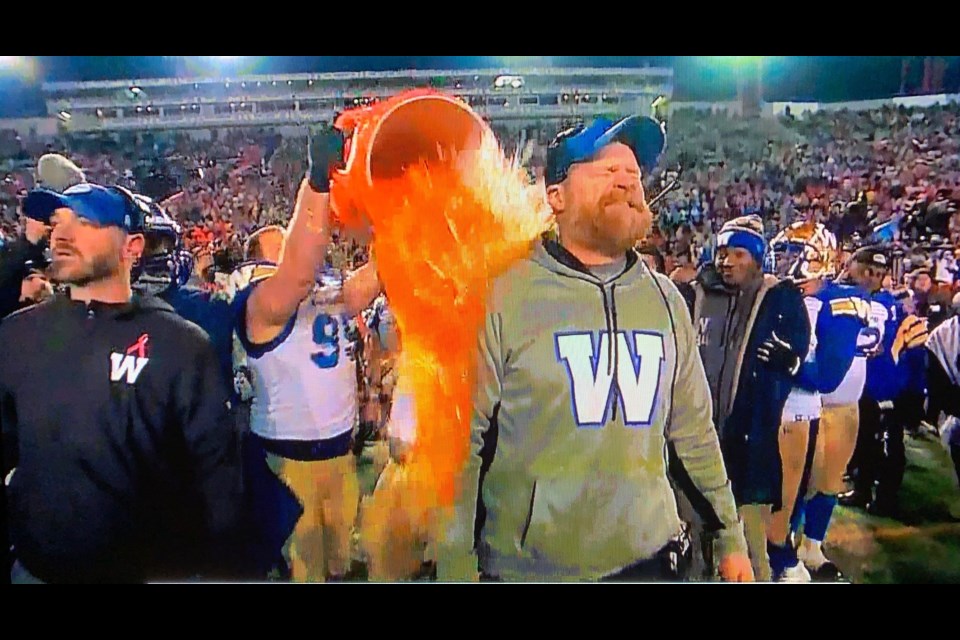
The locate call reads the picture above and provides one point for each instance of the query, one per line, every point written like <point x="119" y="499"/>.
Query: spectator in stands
<point x="686" y="269"/>
<point x="36" y="285"/>
<point x="16" y="262"/>
<point x="24" y="255"/>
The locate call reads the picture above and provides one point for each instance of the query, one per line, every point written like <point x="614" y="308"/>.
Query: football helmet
<point x="165" y="263"/>
<point x="805" y="251"/>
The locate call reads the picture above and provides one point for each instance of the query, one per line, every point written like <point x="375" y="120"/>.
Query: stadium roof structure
<point x="297" y="99"/>
<point x="413" y="74"/>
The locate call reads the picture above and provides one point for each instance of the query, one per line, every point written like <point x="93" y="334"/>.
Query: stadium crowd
<point x="887" y="177"/>
<point x="898" y="162"/>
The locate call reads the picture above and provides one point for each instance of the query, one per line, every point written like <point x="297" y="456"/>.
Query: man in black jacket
<point x="36" y="285"/>
<point x="943" y="382"/>
<point x="753" y="333"/>
<point x="15" y="263"/>
<point x="56" y="173"/>
<point x="121" y="462"/>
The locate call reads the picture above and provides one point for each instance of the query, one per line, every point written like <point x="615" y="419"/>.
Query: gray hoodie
<point x="578" y="487"/>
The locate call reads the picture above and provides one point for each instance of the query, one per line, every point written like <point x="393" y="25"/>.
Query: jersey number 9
<point x="326" y="335"/>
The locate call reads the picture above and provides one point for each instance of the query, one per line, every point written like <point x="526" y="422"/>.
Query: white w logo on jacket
<point x="126" y="365"/>
<point x="592" y="376"/>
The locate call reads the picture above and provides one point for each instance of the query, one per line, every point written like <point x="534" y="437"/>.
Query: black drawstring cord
<point x="616" y="351"/>
<point x="616" y="328"/>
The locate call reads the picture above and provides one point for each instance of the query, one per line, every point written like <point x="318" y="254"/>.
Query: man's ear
<point x="555" y="198"/>
<point x="133" y="247"/>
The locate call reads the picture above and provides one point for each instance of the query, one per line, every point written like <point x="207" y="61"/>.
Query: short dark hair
<point x="687" y="253"/>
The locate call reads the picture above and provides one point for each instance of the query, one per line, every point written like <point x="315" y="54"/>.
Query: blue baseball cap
<point x="106" y="206"/>
<point x="645" y="137"/>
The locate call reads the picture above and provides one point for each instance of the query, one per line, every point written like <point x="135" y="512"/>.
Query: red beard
<point x="619" y="224"/>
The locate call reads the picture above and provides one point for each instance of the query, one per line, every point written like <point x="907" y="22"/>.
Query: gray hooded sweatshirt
<point x="587" y="382"/>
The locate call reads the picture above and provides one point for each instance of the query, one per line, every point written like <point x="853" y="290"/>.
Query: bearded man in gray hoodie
<point x="588" y="368"/>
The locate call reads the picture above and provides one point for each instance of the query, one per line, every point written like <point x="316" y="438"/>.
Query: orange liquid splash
<point x="442" y="234"/>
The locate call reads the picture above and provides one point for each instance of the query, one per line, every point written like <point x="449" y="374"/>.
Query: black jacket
<point x="13" y="269"/>
<point x="943" y="395"/>
<point x="750" y="441"/>
<point x="116" y="420"/>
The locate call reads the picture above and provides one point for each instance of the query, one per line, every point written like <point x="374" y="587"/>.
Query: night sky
<point x="826" y="78"/>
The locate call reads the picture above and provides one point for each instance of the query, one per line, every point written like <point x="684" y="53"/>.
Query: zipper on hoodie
<point x="613" y="353"/>
<point x="616" y="351"/>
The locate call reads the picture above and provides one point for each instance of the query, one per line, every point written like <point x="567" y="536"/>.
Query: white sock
<point x="811" y="552"/>
<point x="810" y="544"/>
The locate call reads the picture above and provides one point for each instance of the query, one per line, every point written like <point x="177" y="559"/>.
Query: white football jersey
<point x="305" y="380"/>
<point x="851" y="387"/>
<point x="803" y="404"/>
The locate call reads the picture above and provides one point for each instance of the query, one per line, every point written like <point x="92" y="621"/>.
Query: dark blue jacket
<point x="750" y="444"/>
<point x="885" y="379"/>
<point x="214" y="316"/>
<point x="912" y="369"/>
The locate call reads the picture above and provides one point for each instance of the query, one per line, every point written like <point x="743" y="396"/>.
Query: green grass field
<point x="923" y="544"/>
